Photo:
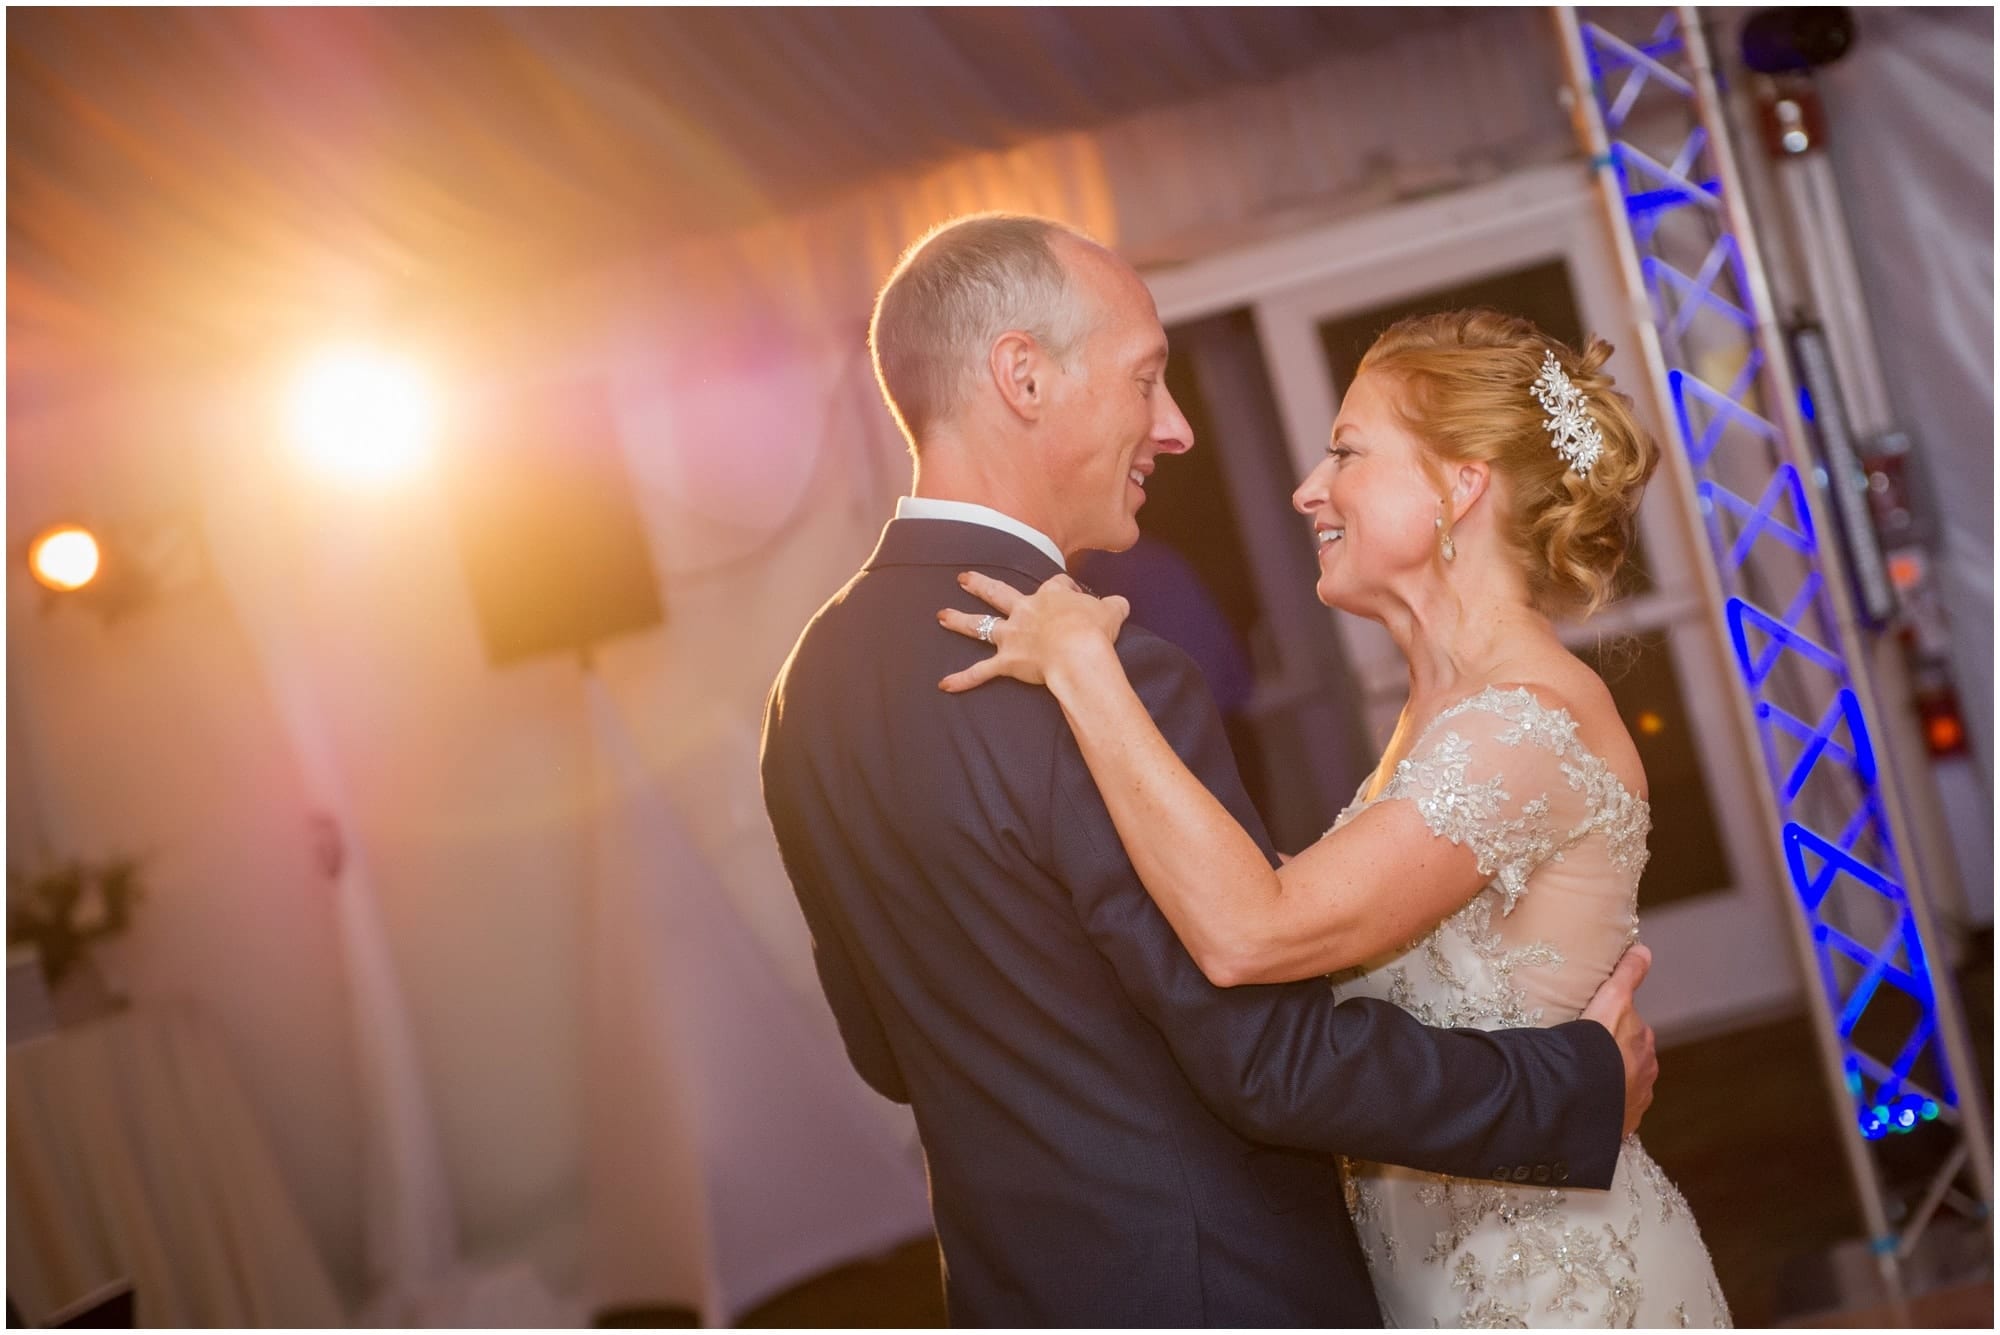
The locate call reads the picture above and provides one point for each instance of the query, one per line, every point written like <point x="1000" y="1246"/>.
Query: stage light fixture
<point x="362" y="415"/>
<point x="65" y="558"/>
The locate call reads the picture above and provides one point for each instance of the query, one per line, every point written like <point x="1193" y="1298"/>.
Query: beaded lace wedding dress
<point x="1506" y="776"/>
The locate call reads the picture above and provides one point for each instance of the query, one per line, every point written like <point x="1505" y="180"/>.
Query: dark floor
<point x="1742" y="1122"/>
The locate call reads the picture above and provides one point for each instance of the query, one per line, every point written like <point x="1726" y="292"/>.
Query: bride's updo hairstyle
<point x="1467" y="379"/>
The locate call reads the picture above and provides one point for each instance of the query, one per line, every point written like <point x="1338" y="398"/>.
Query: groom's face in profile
<point x="1113" y="415"/>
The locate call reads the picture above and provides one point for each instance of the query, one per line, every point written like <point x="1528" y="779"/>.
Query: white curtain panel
<point x="1911" y="110"/>
<point x="408" y="1232"/>
<point x="730" y="1151"/>
<point x="291" y="574"/>
<point x="1341" y="136"/>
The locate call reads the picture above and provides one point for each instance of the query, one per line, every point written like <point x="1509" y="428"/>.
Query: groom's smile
<point x="1116" y="414"/>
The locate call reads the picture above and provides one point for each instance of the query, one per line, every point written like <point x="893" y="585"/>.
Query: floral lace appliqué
<point x="1467" y="811"/>
<point x="1483" y="1253"/>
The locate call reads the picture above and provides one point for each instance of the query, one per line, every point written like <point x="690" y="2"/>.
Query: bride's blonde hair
<point x="1466" y="377"/>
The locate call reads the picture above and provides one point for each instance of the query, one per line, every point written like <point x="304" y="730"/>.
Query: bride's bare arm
<point x="1381" y="881"/>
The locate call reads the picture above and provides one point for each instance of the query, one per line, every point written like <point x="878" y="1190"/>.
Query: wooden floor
<point x="1742" y="1123"/>
<point x="1961" y="1307"/>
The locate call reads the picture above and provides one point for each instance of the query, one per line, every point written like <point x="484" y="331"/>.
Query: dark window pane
<point x="1540" y="293"/>
<point x="1188" y="505"/>
<point x="1194" y="581"/>
<point x="1687" y="854"/>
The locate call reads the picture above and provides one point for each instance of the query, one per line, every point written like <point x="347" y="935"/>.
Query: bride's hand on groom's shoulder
<point x="1057" y="626"/>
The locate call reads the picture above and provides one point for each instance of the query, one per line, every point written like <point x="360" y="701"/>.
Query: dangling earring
<point x="1444" y="539"/>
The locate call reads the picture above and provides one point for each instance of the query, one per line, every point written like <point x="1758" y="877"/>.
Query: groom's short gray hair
<point x="957" y="289"/>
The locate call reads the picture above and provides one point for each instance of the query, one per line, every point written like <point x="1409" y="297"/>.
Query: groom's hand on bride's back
<point x="1612" y="1008"/>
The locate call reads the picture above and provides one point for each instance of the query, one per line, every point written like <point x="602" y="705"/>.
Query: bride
<point x="1480" y="479"/>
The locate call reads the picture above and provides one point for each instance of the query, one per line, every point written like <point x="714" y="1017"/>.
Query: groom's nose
<point x="1171" y="431"/>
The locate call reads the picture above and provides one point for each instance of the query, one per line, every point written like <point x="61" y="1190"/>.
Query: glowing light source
<point x="1944" y="733"/>
<point x="1901" y="1117"/>
<point x="362" y="415"/>
<point x="65" y="558"/>
<point x="1651" y="723"/>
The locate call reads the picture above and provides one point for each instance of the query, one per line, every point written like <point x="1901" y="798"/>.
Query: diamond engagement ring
<point x="986" y="625"/>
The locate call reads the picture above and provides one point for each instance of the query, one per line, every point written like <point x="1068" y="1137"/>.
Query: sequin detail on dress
<point x="1505" y="776"/>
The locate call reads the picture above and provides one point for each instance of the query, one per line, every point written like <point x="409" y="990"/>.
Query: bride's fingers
<point x="979" y="673"/>
<point x="995" y="593"/>
<point x="965" y="623"/>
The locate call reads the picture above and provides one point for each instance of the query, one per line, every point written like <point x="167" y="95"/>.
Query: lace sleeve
<point x="1497" y="775"/>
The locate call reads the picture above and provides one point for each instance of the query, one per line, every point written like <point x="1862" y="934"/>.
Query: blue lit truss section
<point x="1820" y="757"/>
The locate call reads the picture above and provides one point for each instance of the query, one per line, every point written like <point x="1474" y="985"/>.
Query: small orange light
<point x="65" y="558"/>
<point x="1651" y="724"/>
<point x="1945" y="733"/>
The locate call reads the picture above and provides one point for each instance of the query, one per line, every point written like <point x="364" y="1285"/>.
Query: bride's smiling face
<point x="1373" y="506"/>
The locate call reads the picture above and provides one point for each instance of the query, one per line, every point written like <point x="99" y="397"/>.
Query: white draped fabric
<point x="725" y="1149"/>
<point x="1344" y="135"/>
<point x="728" y="1149"/>
<point x="1911" y="111"/>
<point x="134" y="1162"/>
<point x="408" y="1231"/>
<point x="414" y="1274"/>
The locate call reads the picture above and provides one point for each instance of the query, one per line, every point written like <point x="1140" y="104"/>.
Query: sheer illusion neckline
<point x="1493" y="700"/>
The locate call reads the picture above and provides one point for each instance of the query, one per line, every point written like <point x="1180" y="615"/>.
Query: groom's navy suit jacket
<point x="1111" y="1140"/>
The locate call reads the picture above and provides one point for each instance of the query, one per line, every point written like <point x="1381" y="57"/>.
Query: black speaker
<point x="551" y="539"/>
<point x="1792" y="41"/>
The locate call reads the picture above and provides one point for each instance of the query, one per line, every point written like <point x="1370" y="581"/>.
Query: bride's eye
<point x="1338" y="452"/>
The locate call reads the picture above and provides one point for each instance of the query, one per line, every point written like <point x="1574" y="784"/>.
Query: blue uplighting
<point x="1898" y="1118"/>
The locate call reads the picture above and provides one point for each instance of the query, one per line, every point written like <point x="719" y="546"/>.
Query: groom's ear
<point x="1019" y="372"/>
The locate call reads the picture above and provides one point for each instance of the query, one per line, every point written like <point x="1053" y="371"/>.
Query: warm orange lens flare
<point x="64" y="558"/>
<point x="361" y="415"/>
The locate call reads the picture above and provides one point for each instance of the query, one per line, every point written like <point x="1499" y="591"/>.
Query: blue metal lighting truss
<point x="1644" y="98"/>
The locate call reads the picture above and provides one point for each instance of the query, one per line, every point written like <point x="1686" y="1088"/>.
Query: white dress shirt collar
<point x="924" y="507"/>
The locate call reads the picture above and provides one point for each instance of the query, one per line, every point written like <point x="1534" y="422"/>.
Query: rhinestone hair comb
<point x="1575" y="437"/>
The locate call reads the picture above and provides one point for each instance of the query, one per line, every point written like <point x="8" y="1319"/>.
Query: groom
<point x="1111" y="1141"/>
